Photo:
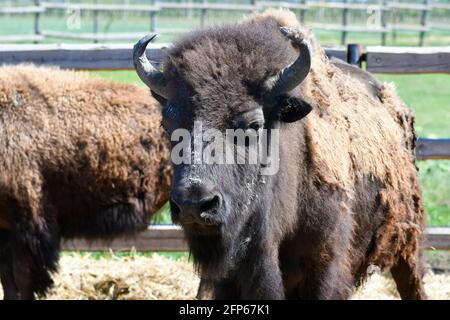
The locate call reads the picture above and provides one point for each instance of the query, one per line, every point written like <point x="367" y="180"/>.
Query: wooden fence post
<point x="96" y="22"/>
<point x="383" y="21"/>
<point x="424" y="21"/>
<point x="37" y="20"/>
<point x="8" y="5"/>
<point x="189" y="11"/>
<point x="153" y="19"/>
<point x="253" y="3"/>
<point x="302" y="12"/>
<point x="394" y="22"/>
<point x="203" y="16"/>
<point x="345" y="12"/>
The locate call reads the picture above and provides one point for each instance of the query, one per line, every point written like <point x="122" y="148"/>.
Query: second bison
<point x="80" y="157"/>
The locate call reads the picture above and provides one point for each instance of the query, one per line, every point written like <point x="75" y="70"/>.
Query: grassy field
<point x="429" y="96"/>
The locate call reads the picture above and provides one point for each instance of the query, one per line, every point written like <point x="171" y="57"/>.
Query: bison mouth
<point x="207" y="224"/>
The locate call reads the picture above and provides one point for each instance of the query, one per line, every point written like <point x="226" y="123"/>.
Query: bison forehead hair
<point x="226" y="67"/>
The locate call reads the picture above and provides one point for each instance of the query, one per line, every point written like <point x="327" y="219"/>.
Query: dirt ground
<point x="158" y="277"/>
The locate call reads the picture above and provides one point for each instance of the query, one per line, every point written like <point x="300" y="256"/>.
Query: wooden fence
<point x="118" y="57"/>
<point x="171" y="238"/>
<point x="378" y="20"/>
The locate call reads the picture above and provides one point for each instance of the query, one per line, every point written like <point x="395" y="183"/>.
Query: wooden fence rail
<point x="381" y="9"/>
<point x="100" y="7"/>
<point x="433" y="149"/>
<point x="406" y="60"/>
<point x="171" y="238"/>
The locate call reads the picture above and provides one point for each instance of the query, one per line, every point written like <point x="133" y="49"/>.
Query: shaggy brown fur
<point x="373" y="137"/>
<point x="81" y="157"/>
<point x="346" y="195"/>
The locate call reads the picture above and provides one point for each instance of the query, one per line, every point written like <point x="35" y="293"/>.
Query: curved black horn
<point x="291" y="76"/>
<point x="151" y="76"/>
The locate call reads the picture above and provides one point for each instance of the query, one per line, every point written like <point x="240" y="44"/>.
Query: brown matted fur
<point x="81" y="157"/>
<point x="372" y="136"/>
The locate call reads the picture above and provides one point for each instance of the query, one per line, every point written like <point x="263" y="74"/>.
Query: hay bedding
<point x="157" y="277"/>
<point x="130" y="278"/>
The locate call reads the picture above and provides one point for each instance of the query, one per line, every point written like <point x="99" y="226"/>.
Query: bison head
<point x="239" y="78"/>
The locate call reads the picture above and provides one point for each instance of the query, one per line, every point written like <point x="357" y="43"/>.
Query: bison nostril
<point x="210" y="204"/>
<point x="195" y="206"/>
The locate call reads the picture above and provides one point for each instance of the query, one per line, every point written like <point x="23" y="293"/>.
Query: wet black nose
<point x="195" y="204"/>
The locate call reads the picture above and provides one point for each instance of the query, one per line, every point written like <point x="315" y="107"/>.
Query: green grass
<point x="163" y="215"/>
<point x="435" y="182"/>
<point x="118" y="22"/>
<point x="123" y="76"/>
<point x="429" y="96"/>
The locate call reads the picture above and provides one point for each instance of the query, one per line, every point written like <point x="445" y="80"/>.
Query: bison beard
<point x="215" y="255"/>
<point x="346" y="195"/>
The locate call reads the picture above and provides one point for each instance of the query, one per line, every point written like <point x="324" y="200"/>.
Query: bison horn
<point x="150" y="75"/>
<point x="291" y="76"/>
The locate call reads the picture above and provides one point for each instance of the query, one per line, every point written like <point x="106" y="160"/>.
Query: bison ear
<point x="291" y="109"/>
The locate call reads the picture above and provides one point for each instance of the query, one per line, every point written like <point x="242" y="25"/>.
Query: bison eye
<point x="256" y="125"/>
<point x="249" y="120"/>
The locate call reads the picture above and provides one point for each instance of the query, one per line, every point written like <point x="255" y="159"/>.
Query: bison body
<point x="81" y="157"/>
<point x="346" y="195"/>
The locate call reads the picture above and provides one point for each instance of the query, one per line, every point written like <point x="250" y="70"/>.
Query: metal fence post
<point x="354" y="53"/>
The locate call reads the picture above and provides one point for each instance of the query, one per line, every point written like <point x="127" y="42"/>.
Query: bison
<point x="346" y="195"/>
<point x="81" y="157"/>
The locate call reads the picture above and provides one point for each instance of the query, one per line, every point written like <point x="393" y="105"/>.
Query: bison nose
<point x="197" y="204"/>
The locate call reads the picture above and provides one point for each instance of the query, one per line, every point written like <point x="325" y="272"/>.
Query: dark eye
<point x="255" y="125"/>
